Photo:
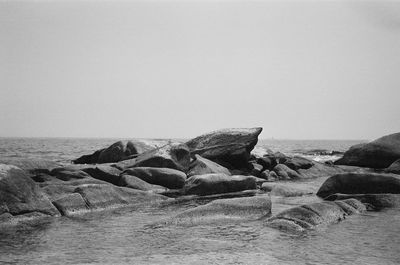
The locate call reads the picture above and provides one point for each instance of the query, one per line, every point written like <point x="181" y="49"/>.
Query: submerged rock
<point x="228" y="147"/>
<point x="376" y="154"/>
<point x="218" y="183"/>
<point x="235" y="209"/>
<point x="360" y="183"/>
<point x="20" y="197"/>
<point x="310" y="216"/>
<point x="202" y="166"/>
<point x="166" y="177"/>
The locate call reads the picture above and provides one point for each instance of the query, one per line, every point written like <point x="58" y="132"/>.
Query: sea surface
<point x="125" y="236"/>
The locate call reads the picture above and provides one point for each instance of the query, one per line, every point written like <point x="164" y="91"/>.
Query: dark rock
<point x="31" y="165"/>
<point x="139" y="184"/>
<point x="376" y="154"/>
<point x="375" y="201"/>
<point x="305" y="217"/>
<point x="218" y="183"/>
<point x="201" y="166"/>
<point x="19" y="194"/>
<point x="166" y="177"/>
<point x="106" y="173"/>
<point x="268" y="162"/>
<point x="66" y="175"/>
<point x="360" y="183"/>
<point x="394" y="167"/>
<point x="279" y="157"/>
<point x="223" y="210"/>
<point x="285" y="173"/>
<point x="256" y="169"/>
<point x="297" y="163"/>
<point x="174" y="156"/>
<point x="228" y="147"/>
<point x="89" y="159"/>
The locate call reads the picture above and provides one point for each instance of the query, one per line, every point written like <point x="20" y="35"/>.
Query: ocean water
<point x="124" y="236"/>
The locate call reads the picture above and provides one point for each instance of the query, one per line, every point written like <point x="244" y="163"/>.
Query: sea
<point x="125" y="236"/>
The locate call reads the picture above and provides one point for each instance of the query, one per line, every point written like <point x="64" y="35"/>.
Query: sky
<point x="177" y="69"/>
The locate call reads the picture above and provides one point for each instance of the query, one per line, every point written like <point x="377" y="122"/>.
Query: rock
<point x="96" y="197"/>
<point x="287" y="189"/>
<point x="268" y="162"/>
<point x="166" y="177"/>
<point x="374" y="201"/>
<point x="139" y="184"/>
<point x="285" y="173"/>
<point x="376" y="154"/>
<point x="31" y="165"/>
<point x="174" y="156"/>
<point x="218" y="183"/>
<point x="19" y="195"/>
<point x="106" y="173"/>
<point x="297" y="163"/>
<point x="394" y="167"/>
<point x="320" y="170"/>
<point x="228" y="147"/>
<point x="119" y="151"/>
<point x="311" y="216"/>
<point x="235" y="209"/>
<point x="256" y="169"/>
<point x="201" y="166"/>
<point x="66" y="175"/>
<point x="360" y="183"/>
<point x="279" y="157"/>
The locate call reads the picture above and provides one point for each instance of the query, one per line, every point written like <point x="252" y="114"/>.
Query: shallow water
<point x="125" y="237"/>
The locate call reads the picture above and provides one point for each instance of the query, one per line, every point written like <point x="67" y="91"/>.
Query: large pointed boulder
<point x="376" y="154"/>
<point x="228" y="147"/>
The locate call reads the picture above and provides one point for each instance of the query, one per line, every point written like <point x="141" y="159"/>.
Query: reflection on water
<point x="125" y="238"/>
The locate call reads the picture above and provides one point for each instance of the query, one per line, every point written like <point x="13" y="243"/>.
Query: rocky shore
<point x="219" y="166"/>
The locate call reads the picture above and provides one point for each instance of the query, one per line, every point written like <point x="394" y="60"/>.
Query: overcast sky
<point x="299" y="69"/>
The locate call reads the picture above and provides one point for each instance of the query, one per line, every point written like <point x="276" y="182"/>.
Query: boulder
<point x="360" y="183"/>
<point x="166" y="177"/>
<point x="228" y="147"/>
<point x="202" y="166"/>
<point x="394" y="167"/>
<point x="268" y="162"/>
<point x="298" y="162"/>
<point x="139" y="184"/>
<point x="106" y="173"/>
<point x="31" y="165"/>
<point x="311" y="216"/>
<point x="66" y="175"/>
<point x="223" y="210"/>
<point x="19" y="195"/>
<point x="218" y="183"/>
<point x="374" y="201"/>
<point x="285" y="173"/>
<point x="174" y="156"/>
<point x="376" y="154"/>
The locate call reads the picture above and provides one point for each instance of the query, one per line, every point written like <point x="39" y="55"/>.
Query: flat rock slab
<point x="31" y="165"/>
<point x="223" y="210"/>
<point x="166" y="177"/>
<point x="374" y="201"/>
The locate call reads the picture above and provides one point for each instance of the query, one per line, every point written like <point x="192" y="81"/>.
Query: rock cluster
<point x="215" y="164"/>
